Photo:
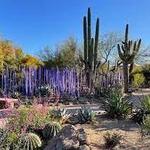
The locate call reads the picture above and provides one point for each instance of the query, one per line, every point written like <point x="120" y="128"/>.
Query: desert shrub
<point x="107" y="91"/>
<point x="143" y="111"/>
<point x="146" y="104"/>
<point x="33" y="116"/>
<point x="2" y="104"/>
<point x="146" y="125"/>
<point x="111" y="140"/>
<point x="8" y="139"/>
<point x="116" y="105"/>
<point x="85" y="114"/>
<point x="138" y="80"/>
<point x="44" y="91"/>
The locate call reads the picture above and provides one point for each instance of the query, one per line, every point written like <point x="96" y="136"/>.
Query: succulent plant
<point x="116" y="105"/>
<point x="85" y="115"/>
<point x="51" y="130"/>
<point x="127" y="52"/>
<point x="61" y="114"/>
<point x="90" y="48"/>
<point x="29" y="141"/>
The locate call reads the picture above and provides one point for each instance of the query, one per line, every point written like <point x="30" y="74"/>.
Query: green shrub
<point x="146" y="104"/>
<point x="44" y="91"/>
<point x="138" y="80"/>
<point x="34" y="116"/>
<point x="29" y="141"/>
<point x="8" y="140"/>
<point x="85" y="115"/>
<point x="111" y="140"/>
<point x="143" y="111"/>
<point x="116" y="105"/>
<point x="145" y="126"/>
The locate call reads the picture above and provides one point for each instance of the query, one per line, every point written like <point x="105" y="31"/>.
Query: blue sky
<point x="34" y="24"/>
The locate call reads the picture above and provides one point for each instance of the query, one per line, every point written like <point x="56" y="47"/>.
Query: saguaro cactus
<point x="90" y="48"/>
<point x="127" y="52"/>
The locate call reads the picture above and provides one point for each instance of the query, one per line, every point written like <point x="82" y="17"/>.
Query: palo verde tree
<point x="127" y="52"/>
<point x="90" y="49"/>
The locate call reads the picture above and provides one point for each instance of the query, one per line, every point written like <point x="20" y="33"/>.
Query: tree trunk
<point x="126" y="77"/>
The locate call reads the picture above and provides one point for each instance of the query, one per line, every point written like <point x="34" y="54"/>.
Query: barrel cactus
<point x="51" y="130"/>
<point x="29" y="141"/>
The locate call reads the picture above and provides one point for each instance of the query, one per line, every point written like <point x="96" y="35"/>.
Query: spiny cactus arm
<point x="139" y="44"/>
<point x="136" y="46"/>
<point x="126" y="33"/>
<point x="96" y="43"/>
<point x="89" y="27"/>
<point x="85" y="38"/>
<point x="121" y="54"/>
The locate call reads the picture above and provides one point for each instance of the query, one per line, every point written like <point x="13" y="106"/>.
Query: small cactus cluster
<point x="90" y="48"/>
<point x="127" y="52"/>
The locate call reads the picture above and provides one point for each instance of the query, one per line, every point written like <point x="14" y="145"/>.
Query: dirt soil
<point x="131" y="137"/>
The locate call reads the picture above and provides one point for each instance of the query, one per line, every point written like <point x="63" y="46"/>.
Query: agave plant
<point x="51" y="130"/>
<point x="61" y="114"/>
<point x="117" y="106"/>
<point x="29" y="141"/>
<point x="85" y="114"/>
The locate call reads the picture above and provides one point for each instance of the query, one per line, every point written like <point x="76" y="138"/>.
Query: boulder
<point x="82" y="137"/>
<point x="84" y="147"/>
<point x="69" y="138"/>
<point x="66" y="140"/>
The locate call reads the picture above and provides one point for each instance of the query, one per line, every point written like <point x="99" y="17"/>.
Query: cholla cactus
<point x="127" y="52"/>
<point x="29" y="141"/>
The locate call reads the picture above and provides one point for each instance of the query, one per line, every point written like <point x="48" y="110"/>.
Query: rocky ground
<point x="131" y="137"/>
<point x="130" y="132"/>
